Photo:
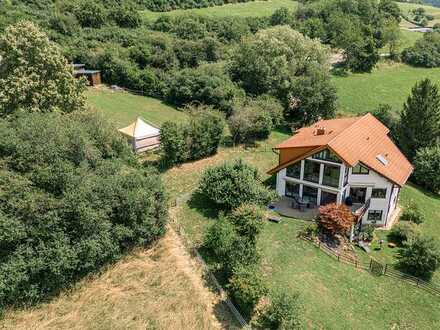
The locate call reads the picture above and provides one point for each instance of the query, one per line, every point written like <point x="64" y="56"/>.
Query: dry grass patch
<point x="160" y="288"/>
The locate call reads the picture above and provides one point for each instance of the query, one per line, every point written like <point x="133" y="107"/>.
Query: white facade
<point x="368" y="187"/>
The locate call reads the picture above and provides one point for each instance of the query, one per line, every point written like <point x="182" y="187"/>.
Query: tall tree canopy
<point x="282" y="62"/>
<point x="34" y="75"/>
<point x="420" y="122"/>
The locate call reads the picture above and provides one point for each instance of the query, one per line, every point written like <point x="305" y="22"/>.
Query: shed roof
<point x="355" y="140"/>
<point x="140" y="129"/>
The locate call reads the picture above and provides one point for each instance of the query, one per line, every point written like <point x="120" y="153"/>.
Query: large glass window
<point x="310" y="194"/>
<point x="294" y="171"/>
<point x="358" y="195"/>
<point x="331" y="175"/>
<point x="292" y="189"/>
<point x="359" y="169"/>
<point x="311" y="171"/>
<point x="328" y="197"/>
<point x="327" y="155"/>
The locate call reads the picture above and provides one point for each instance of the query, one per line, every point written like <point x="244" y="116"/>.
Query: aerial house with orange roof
<point x="347" y="160"/>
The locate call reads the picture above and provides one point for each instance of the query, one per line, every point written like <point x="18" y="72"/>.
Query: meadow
<point x="434" y="11"/>
<point x="246" y="9"/>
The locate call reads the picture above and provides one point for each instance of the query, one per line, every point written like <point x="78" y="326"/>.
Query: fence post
<point x="385" y="269"/>
<point x="356" y="264"/>
<point x="418" y="281"/>
<point x="338" y="256"/>
<point x="371" y="262"/>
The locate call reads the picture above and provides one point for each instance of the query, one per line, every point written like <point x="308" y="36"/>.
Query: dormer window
<point x="360" y="170"/>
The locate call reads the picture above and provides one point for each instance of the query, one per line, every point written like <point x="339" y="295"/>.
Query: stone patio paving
<point x="284" y="208"/>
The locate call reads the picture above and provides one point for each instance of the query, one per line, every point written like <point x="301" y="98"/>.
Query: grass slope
<point x="123" y="108"/>
<point x="149" y="289"/>
<point x="358" y="93"/>
<point x="246" y="9"/>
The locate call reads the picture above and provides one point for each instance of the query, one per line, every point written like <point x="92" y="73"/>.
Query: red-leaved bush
<point x="335" y="219"/>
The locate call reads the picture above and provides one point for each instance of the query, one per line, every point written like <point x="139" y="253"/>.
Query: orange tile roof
<point x="356" y="140"/>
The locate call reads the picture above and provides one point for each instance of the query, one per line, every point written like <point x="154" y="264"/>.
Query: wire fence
<point x="376" y="268"/>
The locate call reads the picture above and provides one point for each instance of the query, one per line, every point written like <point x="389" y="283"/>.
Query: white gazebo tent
<point x="143" y="136"/>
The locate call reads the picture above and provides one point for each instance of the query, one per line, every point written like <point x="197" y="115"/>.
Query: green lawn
<point x="246" y="9"/>
<point x="406" y="7"/>
<point x="123" y="108"/>
<point x="358" y="93"/>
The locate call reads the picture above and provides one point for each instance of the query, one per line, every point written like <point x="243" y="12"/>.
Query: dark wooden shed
<point x="92" y="76"/>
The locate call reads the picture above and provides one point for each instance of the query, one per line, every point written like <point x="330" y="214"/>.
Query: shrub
<point x="126" y="16"/>
<point x="425" y="52"/>
<point x="78" y="181"/>
<point x="233" y="183"/>
<point x="91" y="14"/>
<point x="427" y="167"/>
<point x="412" y="213"/>
<point x="173" y="143"/>
<point x="335" y="219"/>
<point x="247" y="287"/>
<point x="420" y="256"/>
<point x="248" y="220"/>
<point x="248" y="124"/>
<point x="403" y="231"/>
<point x="367" y="233"/>
<point x="283" y="313"/>
<point x="205" y="85"/>
<point x="204" y="132"/>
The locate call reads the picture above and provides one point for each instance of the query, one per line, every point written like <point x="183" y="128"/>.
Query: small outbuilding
<point x="93" y="76"/>
<point x="142" y="135"/>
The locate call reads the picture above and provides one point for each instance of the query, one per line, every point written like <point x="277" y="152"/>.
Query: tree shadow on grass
<point x="203" y="205"/>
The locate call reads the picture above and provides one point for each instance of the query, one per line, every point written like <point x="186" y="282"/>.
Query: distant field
<point x="247" y="9"/>
<point x="407" y="7"/>
<point x="122" y="108"/>
<point x="391" y="84"/>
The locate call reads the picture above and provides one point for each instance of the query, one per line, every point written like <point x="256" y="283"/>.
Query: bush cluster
<point x="425" y="52"/>
<point x="167" y="5"/>
<point x="233" y="183"/>
<point x="403" y="231"/>
<point x="72" y="200"/>
<point x="198" y="138"/>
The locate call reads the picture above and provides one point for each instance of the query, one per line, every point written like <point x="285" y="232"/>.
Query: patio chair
<point x="297" y="204"/>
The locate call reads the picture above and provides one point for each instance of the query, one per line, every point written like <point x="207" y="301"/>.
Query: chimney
<point x="320" y="131"/>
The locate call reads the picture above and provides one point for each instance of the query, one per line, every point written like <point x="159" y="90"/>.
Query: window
<point x="328" y="197"/>
<point x="331" y="175"/>
<point x="346" y="176"/>
<point x="358" y="195"/>
<point x="378" y="193"/>
<point x="292" y="189"/>
<point x="310" y="194"/>
<point x="327" y="155"/>
<point x="294" y="171"/>
<point x="374" y="215"/>
<point x="359" y="169"/>
<point x="311" y="171"/>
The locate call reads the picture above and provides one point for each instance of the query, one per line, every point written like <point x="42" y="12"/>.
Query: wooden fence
<point x="377" y="268"/>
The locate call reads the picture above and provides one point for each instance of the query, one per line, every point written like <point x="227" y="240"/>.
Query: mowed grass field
<point x="245" y="9"/>
<point x="389" y="83"/>
<point x="434" y="11"/>
<point x="123" y="108"/>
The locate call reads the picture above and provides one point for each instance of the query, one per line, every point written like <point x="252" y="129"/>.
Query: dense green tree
<point x="34" y="76"/>
<point x="233" y="183"/>
<point x="420" y="256"/>
<point x="420" y="120"/>
<point x="427" y="167"/>
<point x="173" y="144"/>
<point x="282" y="16"/>
<point x="280" y="61"/>
<point x="91" y="13"/>
<point x="385" y="114"/>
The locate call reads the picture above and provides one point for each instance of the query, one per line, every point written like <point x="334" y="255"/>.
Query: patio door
<point x="358" y="195"/>
<point x="328" y="197"/>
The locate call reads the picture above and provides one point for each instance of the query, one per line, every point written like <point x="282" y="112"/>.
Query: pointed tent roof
<point x="140" y="129"/>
